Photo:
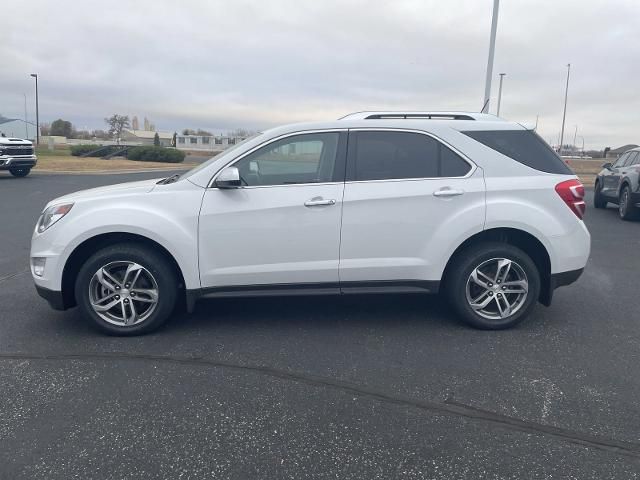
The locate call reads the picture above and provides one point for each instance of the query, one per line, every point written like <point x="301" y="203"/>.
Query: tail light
<point x="572" y="193"/>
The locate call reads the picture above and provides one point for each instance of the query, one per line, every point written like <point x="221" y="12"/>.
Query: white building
<point x="15" y="127"/>
<point x="145" y="137"/>
<point x="205" y="142"/>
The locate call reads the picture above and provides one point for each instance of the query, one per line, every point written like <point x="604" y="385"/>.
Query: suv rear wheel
<point x="19" y="172"/>
<point x="598" y="200"/>
<point x="126" y="289"/>
<point x="493" y="286"/>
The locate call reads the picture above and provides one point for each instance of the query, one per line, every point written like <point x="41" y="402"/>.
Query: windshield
<point x="228" y="151"/>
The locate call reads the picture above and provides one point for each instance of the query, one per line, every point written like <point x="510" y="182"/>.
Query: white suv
<point x="465" y="203"/>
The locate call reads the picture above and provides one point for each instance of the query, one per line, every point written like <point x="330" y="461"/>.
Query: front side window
<point x="307" y="158"/>
<point x="620" y="162"/>
<point x="631" y="159"/>
<point x="385" y="155"/>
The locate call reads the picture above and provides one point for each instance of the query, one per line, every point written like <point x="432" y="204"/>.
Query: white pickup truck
<point x="17" y="156"/>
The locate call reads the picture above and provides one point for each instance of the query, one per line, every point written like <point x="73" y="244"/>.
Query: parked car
<point x="619" y="183"/>
<point x="468" y="204"/>
<point x="17" y="156"/>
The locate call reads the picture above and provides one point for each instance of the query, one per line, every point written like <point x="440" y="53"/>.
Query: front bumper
<point x="8" y="162"/>
<point x="54" y="297"/>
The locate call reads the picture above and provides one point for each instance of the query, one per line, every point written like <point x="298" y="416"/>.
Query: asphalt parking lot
<point x="357" y="387"/>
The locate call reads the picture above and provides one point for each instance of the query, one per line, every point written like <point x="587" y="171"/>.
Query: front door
<point x="611" y="179"/>
<point x="282" y="227"/>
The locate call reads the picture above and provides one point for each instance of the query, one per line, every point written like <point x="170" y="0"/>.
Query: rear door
<point x="408" y="197"/>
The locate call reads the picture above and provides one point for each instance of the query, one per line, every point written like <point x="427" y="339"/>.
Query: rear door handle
<point x="318" y="202"/>
<point x="447" y="192"/>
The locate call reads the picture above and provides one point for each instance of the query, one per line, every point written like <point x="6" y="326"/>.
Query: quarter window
<point x="307" y="158"/>
<point x="382" y="155"/>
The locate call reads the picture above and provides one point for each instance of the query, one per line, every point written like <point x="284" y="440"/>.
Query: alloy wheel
<point x="624" y="200"/>
<point x="123" y="293"/>
<point x="497" y="288"/>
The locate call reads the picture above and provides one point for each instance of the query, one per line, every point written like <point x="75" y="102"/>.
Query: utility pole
<point x="564" y="113"/>
<point x="35" y="75"/>
<point x="492" y="48"/>
<point x="500" y="93"/>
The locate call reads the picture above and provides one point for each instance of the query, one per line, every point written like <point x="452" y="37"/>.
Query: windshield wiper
<point x="170" y="179"/>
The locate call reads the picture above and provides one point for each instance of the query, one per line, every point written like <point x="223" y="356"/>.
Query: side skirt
<point x="302" y="289"/>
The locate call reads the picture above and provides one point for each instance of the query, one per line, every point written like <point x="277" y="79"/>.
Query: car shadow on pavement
<point x="322" y="311"/>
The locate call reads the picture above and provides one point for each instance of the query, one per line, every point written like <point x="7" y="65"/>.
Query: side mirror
<point x="228" y="178"/>
<point x="607" y="165"/>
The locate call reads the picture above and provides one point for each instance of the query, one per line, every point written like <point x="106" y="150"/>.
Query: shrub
<point x="156" y="154"/>
<point x="77" y="150"/>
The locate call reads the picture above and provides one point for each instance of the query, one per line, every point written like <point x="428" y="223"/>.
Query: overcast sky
<point x="220" y="65"/>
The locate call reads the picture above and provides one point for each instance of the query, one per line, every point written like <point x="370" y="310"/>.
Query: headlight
<point x="51" y="215"/>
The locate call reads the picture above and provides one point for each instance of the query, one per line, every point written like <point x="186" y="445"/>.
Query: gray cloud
<point x="222" y="65"/>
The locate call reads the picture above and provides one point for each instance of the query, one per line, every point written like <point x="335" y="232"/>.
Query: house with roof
<point x="145" y="137"/>
<point x="616" y="152"/>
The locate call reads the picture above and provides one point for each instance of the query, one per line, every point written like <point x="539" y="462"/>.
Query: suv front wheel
<point x="20" y="172"/>
<point x="127" y="289"/>
<point x="626" y="208"/>
<point x="493" y="286"/>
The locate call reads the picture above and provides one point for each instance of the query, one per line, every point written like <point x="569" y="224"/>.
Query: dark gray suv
<point x="619" y="183"/>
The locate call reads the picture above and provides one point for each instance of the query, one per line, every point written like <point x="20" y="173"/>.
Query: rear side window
<point x="380" y="155"/>
<point x="523" y="146"/>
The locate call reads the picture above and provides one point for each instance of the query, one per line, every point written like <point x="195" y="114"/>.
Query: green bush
<point x="77" y="150"/>
<point x="156" y="154"/>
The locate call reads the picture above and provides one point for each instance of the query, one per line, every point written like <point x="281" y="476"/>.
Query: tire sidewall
<point x="598" y="201"/>
<point x="20" y="172"/>
<point x="471" y="259"/>
<point x="158" y="266"/>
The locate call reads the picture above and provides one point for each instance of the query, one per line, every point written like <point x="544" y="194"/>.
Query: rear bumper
<point x="565" y="278"/>
<point x="54" y="297"/>
<point x="558" y="280"/>
<point x="26" y="161"/>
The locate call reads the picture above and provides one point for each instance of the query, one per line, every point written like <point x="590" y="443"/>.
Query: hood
<point x="143" y="186"/>
<point x="14" y="141"/>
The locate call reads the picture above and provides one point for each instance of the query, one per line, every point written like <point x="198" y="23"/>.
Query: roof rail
<point x="419" y="116"/>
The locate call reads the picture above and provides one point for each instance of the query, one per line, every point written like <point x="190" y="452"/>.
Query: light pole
<point x="26" y="127"/>
<point x="500" y="93"/>
<point x="564" y="113"/>
<point x="35" y="75"/>
<point x="575" y="134"/>
<point x="492" y="48"/>
<point x="582" y="145"/>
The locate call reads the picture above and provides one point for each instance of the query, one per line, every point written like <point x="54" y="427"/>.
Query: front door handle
<point x="318" y="202"/>
<point x="447" y="192"/>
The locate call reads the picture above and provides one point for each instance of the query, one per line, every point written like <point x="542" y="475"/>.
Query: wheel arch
<point x="521" y="239"/>
<point x="91" y="245"/>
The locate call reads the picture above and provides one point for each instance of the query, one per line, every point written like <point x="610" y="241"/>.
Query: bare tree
<point x="117" y="123"/>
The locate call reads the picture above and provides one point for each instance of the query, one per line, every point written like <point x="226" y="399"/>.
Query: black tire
<point x="467" y="261"/>
<point x="20" y="172"/>
<point x="153" y="263"/>
<point x="626" y="209"/>
<point x="598" y="200"/>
